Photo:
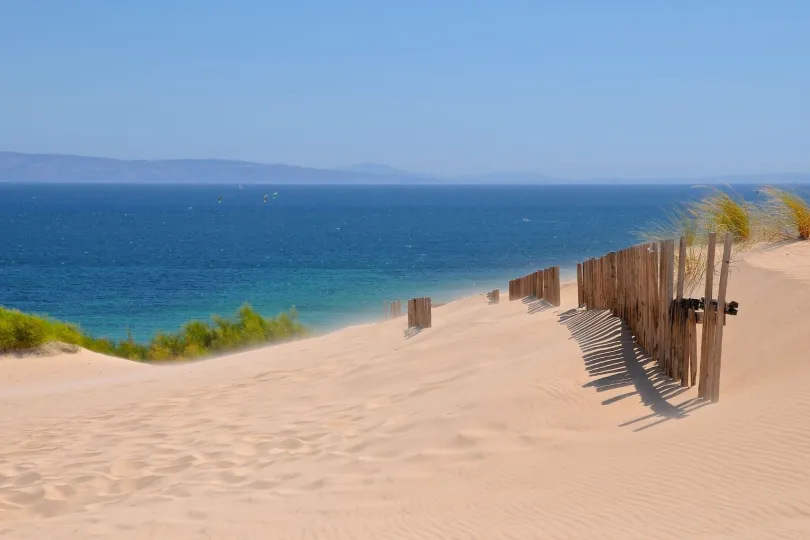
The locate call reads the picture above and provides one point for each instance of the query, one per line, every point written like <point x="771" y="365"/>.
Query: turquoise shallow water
<point x="149" y="257"/>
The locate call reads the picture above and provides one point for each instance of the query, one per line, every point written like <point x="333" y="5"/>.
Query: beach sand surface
<point x="502" y="421"/>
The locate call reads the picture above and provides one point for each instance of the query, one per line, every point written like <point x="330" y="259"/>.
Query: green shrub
<point x="19" y="331"/>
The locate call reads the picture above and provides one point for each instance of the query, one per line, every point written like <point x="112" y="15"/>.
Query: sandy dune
<point x="507" y="421"/>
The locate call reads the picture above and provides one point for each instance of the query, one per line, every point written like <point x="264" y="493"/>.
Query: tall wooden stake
<point x="721" y="318"/>
<point x="707" y="341"/>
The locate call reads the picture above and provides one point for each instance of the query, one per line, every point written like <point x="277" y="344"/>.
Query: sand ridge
<point x="508" y="421"/>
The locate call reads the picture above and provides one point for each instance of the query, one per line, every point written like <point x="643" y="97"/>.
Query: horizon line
<point x="427" y="176"/>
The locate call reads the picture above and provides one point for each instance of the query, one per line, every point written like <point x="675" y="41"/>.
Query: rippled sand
<point x="507" y="421"/>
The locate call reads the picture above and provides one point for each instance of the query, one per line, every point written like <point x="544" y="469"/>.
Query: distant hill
<point x="733" y="179"/>
<point x="57" y="168"/>
<point x="517" y="178"/>
<point x="378" y="169"/>
<point x="510" y="178"/>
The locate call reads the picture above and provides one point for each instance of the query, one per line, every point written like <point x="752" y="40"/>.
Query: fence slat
<point x="720" y="319"/>
<point x="541" y="285"/>
<point x="693" y="358"/>
<point x="640" y="285"/>
<point x="665" y="299"/>
<point x="707" y="340"/>
<point x="681" y="267"/>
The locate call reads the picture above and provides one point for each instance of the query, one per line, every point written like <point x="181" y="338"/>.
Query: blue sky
<point x="576" y="89"/>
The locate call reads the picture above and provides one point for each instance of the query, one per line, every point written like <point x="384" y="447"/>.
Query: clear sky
<point x="569" y="88"/>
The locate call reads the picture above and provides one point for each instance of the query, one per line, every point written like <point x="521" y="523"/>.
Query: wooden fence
<point x="494" y="296"/>
<point x="392" y="309"/>
<point x="638" y="284"/>
<point x="543" y="285"/>
<point x="419" y="313"/>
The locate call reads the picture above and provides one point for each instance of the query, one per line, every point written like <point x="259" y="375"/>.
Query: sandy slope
<point x="496" y="423"/>
<point x="43" y="374"/>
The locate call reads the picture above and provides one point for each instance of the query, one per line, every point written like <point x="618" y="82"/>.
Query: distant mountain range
<point x="378" y="169"/>
<point x="56" y="168"/>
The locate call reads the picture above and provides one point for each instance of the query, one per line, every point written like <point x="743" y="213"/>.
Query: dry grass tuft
<point x="785" y="215"/>
<point x="722" y="212"/>
<point x="678" y="223"/>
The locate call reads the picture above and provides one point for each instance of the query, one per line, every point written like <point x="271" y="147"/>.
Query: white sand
<point x="493" y="424"/>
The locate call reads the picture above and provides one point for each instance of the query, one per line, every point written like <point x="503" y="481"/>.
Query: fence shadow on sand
<point x="535" y="305"/>
<point x="412" y="332"/>
<point x="612" y="356"/>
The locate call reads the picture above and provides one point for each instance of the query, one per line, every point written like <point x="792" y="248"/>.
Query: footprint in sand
<point x="233" y="477"/>
<point x="26" y="479"/>
<point x="315" y="485"/>
<point x="288" y="476"/>
<point x="49" y="508"/>
<point x="262" y="484"/>
<point x="402" y="428"/>
<point x="131" y="485"/>
<point x="463" y="440"/>
<point x="245" y="450"/>
<point x="26" y="496"/>
<point x="58" y="492"/>
<point x="177" y="492"/>
<point x="127" y="468"/>
<point x="290" y="444"/>
<point x="172" y="469"/>
<point x="197" y="515"/>
<point x="359" y="447"/>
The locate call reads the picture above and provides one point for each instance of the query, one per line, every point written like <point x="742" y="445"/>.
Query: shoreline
<point x="349" y="432"/>
<point x="368" y="319"/>
<point x="314" y="332"/>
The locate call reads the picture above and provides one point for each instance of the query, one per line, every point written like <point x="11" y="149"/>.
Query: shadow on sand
<point x="612" y="356"/>
<point x="536" y="305"/>
<point x="411" y="332"/>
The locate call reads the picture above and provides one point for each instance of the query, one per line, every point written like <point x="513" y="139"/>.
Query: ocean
<point x="150" y="257"/>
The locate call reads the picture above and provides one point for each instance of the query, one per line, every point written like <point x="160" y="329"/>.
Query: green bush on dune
<point x="21" y="331"/>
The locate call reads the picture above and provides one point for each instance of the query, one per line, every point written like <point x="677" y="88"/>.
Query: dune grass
<point x="724" y="212"/>
<point x="680" y="222"/>
<point x="783" y="215"/>
<point x="786" y="215"/>
<point x="21" y="331"/>
<point x="720" y="211"/>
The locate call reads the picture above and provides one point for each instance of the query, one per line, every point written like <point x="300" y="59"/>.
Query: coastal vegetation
<point x="22" y="331"/>
<point x="770" y="214"/>
<point x="725" y="212"/>
<point x="788" y="214"/>
<point x="776" y="214"/>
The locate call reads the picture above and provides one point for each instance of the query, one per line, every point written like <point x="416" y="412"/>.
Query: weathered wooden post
<point x="681" y="337"/>
<point x="721" y="318"/>
<point x="611" y="288"/>
<point x="666" y="286"/>
<point x="707" y="338"/>
<point x="557" y="298"/>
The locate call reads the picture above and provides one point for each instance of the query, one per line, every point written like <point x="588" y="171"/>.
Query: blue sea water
<point x="147" y="257"/>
